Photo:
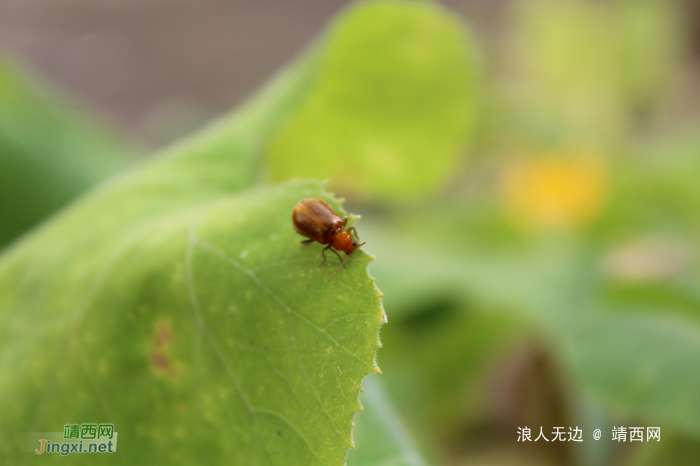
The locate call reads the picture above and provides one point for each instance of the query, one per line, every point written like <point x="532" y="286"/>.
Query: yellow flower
<point x="554" y="191"/>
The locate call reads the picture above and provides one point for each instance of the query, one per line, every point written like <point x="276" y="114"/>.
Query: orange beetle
<point x="316" y="220"/>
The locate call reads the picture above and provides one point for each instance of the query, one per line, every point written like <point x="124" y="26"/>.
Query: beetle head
<point x="344" y="242"/>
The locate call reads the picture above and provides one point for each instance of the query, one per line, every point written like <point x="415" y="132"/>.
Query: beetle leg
<point x="345" y="222"/>
<point x="339" y="257"/>
<point x="339" y="267"/>
<point x="353" y="229"/>
<point x="323" y="252"/>
<point x="306" y="242"/>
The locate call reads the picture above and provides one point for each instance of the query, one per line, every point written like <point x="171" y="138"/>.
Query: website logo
<point x="75" y="438"/>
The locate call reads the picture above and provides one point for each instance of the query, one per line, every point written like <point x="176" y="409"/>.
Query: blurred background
<point x="541" y="269"/>
<point x="156" y="68"/>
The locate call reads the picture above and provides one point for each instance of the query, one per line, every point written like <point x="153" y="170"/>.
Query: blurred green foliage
<point x="386" y="117"/>
<point x="550" y="278"/>
<point x="589" y="71"/>
<point x="49" y="152"/>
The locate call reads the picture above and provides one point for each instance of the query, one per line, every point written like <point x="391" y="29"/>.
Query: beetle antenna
<point x="339" y="267"/>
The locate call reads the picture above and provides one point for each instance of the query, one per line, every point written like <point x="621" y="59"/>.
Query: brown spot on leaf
<point x="159" y="361"/>
<point x="160" y="354"/>
<point x="162" y="334"/>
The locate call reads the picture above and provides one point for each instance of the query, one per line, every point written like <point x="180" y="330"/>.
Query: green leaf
<point x="390" y="106"/>
<point x="49" y="152"/>
<point x="380" y="436"/>
<point x="638" y="364"/>
<point x="176" y="302"/>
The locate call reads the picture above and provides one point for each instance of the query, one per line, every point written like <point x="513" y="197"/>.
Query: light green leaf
<point x="391" y="103"/>
<point x="176" y="302"/>
<point x="640" y="365"/>
<point x="380" y="436"/>
<point x="49" y="152"/>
